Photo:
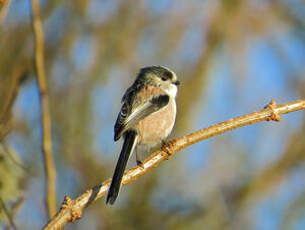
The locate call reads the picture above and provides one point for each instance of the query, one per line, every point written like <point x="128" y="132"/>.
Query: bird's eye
<point x="167" y="75"/>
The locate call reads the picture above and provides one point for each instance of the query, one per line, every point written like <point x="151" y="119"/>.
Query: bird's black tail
<point x="130" y="138"/>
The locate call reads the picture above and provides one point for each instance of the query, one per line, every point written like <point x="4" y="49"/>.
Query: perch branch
<point x="72" y="209"/>
<point x="49" y="168"/>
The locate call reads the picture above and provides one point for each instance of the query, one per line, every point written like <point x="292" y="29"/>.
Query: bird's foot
<point x="167" y="147"/>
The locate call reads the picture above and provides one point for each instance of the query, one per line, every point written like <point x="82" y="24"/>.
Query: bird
<point x="146" y="118"/>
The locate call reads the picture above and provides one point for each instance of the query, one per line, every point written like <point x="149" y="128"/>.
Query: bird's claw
<point x="167" y="147"/>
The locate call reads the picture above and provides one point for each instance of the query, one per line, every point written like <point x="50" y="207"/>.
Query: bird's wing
<point x="128" y="118"/>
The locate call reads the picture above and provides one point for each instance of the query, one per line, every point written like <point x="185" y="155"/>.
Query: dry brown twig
<point x="72" y="209"/>
<point x="49" y="168"/>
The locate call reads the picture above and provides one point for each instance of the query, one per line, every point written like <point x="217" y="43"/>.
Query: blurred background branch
<point x="8" y="215"/>
<point x="46" y="143"/>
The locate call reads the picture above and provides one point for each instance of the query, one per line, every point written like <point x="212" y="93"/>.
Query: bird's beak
<point x="177" y="82"/>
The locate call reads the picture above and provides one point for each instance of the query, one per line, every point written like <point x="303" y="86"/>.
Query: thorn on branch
<point x="274" y="115"/>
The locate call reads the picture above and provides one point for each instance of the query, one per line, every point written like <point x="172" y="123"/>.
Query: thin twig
<point x="11" y="156"/>
<point x="10" y="93"/>
<point x="49" y="168"/>
<point x="72" y="209"/>
<point x="5" y="129"/>
<point x="8" y="215"/>
<point x="15" y="207"/>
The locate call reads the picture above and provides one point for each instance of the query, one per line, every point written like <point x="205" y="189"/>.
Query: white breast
<point x="172" y="90"/>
